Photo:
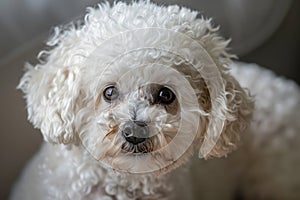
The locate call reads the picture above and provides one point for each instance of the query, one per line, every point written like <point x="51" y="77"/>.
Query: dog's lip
<point x="136" y="146"/>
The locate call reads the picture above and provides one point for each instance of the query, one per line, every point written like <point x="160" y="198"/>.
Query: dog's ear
<point x="229" y="115"/>
<point x="228" y="107"/>
<point x="51" y="92"/>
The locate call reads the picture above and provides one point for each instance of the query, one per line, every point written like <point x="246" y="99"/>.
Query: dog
<point x="127" y="99"/>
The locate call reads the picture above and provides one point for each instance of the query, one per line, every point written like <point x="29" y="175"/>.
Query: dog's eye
<point x="165" y="96"/>
<point x="110" y="93"/>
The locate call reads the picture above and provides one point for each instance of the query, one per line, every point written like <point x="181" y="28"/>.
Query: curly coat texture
<point x="58" y="78"/>
<point x="60" y="92"/>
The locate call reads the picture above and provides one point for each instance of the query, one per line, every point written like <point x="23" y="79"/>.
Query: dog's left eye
<point x="110" y="93"/>
<point x="166" y="96"/>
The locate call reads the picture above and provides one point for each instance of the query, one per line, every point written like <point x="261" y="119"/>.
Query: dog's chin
<point x="155" y="162"/>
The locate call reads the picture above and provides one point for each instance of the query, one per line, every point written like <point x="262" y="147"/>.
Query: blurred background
<point x="264" y="32"/>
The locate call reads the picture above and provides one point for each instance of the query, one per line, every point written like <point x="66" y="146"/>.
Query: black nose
<point x="135" y="132"/>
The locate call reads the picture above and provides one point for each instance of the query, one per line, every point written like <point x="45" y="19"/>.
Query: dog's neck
<point x="130" y="186"/>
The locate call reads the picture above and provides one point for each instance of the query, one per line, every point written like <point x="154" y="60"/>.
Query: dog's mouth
<point x="136" y="140"/>
<point x="147" y="146"/>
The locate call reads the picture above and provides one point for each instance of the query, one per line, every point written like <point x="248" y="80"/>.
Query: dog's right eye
<point x="166" y="96"/>
<point x="110" y="93"/>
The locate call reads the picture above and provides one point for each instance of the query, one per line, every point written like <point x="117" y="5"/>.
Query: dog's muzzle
<point x="135" y="132"/>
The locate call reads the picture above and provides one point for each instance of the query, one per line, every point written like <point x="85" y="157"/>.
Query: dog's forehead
<point x="149" y="77"/>
<point x="151" y="88"/>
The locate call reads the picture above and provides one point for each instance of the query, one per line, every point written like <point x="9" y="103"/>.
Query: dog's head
<point x="139" y="86"/>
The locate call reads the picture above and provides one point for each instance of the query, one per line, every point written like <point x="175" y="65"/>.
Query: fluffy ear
<point x="228" y="120"/>
<point x="51" y="92"/>
<point x="228" y="105"/>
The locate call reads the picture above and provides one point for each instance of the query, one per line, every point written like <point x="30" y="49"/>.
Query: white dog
<point x="131" y="93"/>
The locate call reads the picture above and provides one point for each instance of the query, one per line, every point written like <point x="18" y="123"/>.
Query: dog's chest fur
<point x="82" y="177"/>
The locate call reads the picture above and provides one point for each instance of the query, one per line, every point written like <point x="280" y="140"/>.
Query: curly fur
<point x="63" y="101"/>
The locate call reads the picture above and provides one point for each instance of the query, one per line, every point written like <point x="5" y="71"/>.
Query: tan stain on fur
<point x="98" y="101"/>
<point x="113" y="130"/>
<point x="173" y="108"/>
<point x="66" y="73"/>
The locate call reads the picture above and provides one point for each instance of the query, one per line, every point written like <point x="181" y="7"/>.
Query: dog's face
<point x="142" y="100"/>
<point x="141" y="116"/>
